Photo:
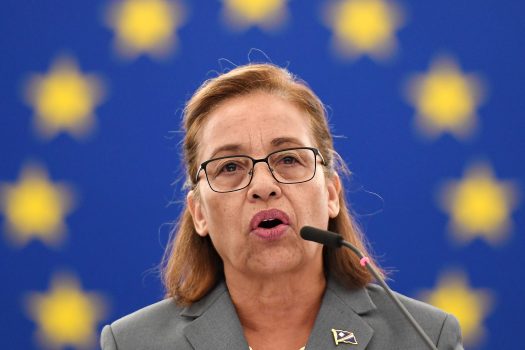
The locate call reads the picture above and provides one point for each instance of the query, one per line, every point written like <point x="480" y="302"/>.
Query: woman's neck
<point x="281" y="303"/>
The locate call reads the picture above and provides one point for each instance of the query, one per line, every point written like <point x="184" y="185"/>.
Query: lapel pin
<point x="344" y="337"/>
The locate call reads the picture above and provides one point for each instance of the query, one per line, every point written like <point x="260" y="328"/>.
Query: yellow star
<point x="268" y="14"/>
<point x="364" y="27"/>
<point x="64" y="99"/>
<point x="145" y="26"/>
<point x="35" y="207"/>
<point x="479" y="205"/>
<point x="469" y="306"/>
<point x="445" y="99"/>
<point x="65" y="315"/>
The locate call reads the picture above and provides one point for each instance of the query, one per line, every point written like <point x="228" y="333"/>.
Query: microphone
<point x="334" y="240"/>
<point x="327" y="238"/>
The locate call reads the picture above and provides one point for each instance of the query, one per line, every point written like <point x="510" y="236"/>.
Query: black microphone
<point x="334" y="240"/>
<point x="327" y="238"/>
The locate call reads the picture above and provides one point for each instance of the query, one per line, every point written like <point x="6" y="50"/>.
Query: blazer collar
<point x="341" y="310"/>
<point x="216" y="325"/>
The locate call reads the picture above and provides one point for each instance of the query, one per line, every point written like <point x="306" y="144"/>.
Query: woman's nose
<point x="263" y="185"/>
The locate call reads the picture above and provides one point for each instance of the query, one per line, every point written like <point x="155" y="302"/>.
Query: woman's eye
<point x="289" y="160"/>
<point x="230" y="167"/>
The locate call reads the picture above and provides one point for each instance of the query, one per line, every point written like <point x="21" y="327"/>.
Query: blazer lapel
<point x="340" y="311"/>
<point x="216" y="325"/>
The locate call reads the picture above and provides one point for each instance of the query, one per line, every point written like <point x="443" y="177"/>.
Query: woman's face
<point x="256" y="125"/>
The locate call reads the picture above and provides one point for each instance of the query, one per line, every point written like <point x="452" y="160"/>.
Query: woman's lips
<point x="271" y="233"/>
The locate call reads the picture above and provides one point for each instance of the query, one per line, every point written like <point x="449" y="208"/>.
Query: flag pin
<point x="344" y="337"/>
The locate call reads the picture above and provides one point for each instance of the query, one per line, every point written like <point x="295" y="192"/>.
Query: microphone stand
<point x="365" y="262"/>
<point x="335" y="240"/>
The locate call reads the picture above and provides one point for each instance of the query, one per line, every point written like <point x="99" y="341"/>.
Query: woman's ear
<point x="334" y="189"/>
<point x="199" y="218"/>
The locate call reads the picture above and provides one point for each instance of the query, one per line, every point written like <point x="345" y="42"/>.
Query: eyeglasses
<point x="287" y="166"/>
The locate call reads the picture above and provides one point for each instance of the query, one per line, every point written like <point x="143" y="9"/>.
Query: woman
<point x="261" y="165"/>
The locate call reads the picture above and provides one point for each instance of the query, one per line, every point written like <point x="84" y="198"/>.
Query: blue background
<point x="127" y="175"/>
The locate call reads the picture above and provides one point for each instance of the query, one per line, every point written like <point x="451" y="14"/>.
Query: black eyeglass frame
<point x="261" y="160"/>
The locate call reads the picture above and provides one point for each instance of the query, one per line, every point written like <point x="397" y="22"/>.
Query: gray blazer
<point x="212" y="323"/>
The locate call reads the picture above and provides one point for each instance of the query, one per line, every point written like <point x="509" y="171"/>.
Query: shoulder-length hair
<point x="191" y="265"/>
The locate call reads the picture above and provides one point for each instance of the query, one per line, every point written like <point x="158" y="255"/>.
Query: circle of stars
<point x="35" y="207"/>
<point x="470" y="306"/>
<point x="267" y="14"/>
<point x="66" y="315"/>
<point x="364" y="27"/>
<point x="479" y="205"/>
<point x="145" y="26"/>
<point x="64" y="99"/>
<point x="445" y="99"/>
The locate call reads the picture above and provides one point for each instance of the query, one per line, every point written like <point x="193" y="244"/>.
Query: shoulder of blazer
<point x="375" y="307"/>
<point x="436" y="323"/>
<point x="423" y="312"/>
<point x="160" y="323"/>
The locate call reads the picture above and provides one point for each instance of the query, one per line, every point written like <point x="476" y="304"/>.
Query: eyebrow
<point x="231" y="147"/>
<point x="237" y="148"/>
<point x="282" y="140"/>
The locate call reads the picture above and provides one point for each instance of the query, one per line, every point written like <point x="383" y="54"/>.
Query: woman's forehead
<point x="256" y="123"/>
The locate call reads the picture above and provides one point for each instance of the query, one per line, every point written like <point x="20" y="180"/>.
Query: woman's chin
<point x="275" y="261"/>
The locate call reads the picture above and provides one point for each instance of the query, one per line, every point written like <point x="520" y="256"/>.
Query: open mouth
<point x="269" y="219"/>
<point x="271" y="223"/>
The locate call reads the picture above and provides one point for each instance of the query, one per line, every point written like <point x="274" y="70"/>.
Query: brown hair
<point x="191" y="264"/>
